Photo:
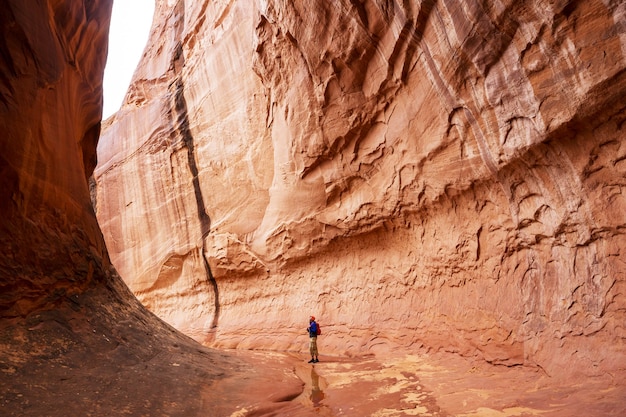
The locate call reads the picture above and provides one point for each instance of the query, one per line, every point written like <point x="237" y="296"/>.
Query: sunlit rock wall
<point x="435" y="174"/>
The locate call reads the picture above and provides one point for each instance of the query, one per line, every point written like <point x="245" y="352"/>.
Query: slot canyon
<point x="439" y="182"/>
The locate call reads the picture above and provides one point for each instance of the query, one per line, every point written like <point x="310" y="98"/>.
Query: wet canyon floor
<point x="437" y="385"/>
<point x="57" y="363"/>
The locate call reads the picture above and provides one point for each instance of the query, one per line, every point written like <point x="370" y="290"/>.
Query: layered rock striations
<point x="51" y="109"/>
<point x="73" y="339"/>
<point x="435" y="174"/>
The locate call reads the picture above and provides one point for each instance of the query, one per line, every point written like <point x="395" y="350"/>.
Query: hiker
<point x="313" y="332"/>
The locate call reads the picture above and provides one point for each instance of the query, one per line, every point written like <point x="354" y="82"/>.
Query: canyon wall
<point x="73" y="338"/>
<point x="51" y="107"/>
<point x="419" y="175"/>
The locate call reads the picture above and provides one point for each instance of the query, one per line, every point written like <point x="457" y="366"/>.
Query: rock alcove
<point x="428" y="177"/>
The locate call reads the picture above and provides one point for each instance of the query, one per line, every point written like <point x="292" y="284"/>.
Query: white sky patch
<point x="130" y="27"/>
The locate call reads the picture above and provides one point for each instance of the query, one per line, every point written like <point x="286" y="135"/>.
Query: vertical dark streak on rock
<point x="360" y="9"/>
<point x="478" y="233"/>
<point x="182" y="126"/>
<point x="426" y="9"/>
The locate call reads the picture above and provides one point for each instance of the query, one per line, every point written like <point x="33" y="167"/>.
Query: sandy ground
<point x="422" y="385"/>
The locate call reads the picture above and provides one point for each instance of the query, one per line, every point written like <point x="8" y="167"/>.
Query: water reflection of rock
<point x="313" y="396"/>
<point x="317" y="395"/>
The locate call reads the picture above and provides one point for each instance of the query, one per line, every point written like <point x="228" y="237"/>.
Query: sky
<point x="128" y="34"/>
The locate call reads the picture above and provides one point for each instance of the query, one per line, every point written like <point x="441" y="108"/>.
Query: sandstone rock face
<point x="72" y="337"/>
<point x="445" y="175"/>
<point x="51" y="108"/>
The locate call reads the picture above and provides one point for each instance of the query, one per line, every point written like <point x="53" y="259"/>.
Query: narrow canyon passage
<point x="440" y="183"/>
<point x="413" y="171"/>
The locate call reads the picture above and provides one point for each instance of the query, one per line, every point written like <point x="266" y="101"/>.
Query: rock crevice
<point x="73" y="338"/>
<point x="182" y="124"/>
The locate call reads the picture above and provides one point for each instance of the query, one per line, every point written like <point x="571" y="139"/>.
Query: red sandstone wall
<point x="51" y="106"/>
<point x="444" y="175"/>
<point x="73" y="339"/>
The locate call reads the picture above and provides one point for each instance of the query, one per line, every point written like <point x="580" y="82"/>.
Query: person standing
<point x="312" y="329"/>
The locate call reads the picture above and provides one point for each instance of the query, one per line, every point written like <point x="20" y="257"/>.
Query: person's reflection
<point x="317" y="395"/>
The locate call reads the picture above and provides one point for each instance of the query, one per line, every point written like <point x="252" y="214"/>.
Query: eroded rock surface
<point x="435" y="174"/>
<point x="73" y="339"/>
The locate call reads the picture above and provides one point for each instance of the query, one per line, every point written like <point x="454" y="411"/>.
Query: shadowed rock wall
<point x="51" y="108"/>
<point x="73" y="339"/>
<point x="435" y="174"/>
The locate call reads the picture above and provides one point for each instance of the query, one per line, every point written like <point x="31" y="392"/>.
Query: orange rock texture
<point x="51" y="108"/>
<point x="446" y="175"/>
<point x="73" y="340"/>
